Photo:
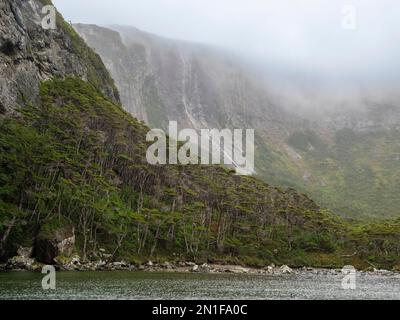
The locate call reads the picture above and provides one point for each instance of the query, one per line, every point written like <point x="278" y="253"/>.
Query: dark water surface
<point x="141" y="285"/>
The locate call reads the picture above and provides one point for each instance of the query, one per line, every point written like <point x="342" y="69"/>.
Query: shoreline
<point x="183" y="267"/>
<point x="104" y="262"/>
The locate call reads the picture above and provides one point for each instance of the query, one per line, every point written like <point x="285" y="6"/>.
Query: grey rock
<point x="382" y="271"/>
<point x="167" y="265"/>
<point x="285" y="270"/>
<point x="238" y="269"/>
<point x="101" y="263"/>
<point x="25" y="252"/>
<point x="29" y="54"/>
<point x="76" y="260"/>
<point x="60" y="243"/>
<point x="270" y="269"/>
<point x="106" y="256"/>
<point x="20" y="263"/>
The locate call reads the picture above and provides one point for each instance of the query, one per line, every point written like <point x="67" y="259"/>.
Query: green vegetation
<point x="78" y="159"/>
<point x="355" y="175"/>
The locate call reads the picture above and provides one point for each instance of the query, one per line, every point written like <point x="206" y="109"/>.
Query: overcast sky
<point x="298" y="34"/>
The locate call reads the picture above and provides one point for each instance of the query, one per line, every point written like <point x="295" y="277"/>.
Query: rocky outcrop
<point x="60" y="242"/>
<point x="30" y="54"/>
<point x="23" y="261"/>
<point x="198" y="86"/>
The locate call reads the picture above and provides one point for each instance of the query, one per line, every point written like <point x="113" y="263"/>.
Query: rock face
<point x="30" y="54"/>
<point x="60" y="243"/>
<point x="161" y="80"/>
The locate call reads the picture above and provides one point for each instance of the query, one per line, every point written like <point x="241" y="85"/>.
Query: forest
<point x="78" y="162"/>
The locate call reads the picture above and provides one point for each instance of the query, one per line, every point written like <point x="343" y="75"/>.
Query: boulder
<point x="20" y="263"/>
<point x="118" y="265"/>
<point x="76" y="260"/>
<point x="132" y="268"/>
<point x="269" y="269"/>
<point x="25" y="252"/>
<point x="382" y="271"/>
<point x="100" y="263"/>
<point x="107" y="256"/>
<point x="205" y="267"/>
<point x="167" y="265"/>
<point x="238" y="269"/>
<point x="195" y="268"/>
<point x="285" y="270"/>
<point x="53" y="242"/>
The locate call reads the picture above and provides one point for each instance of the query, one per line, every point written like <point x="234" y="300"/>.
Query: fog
<point x="311" y="42"/>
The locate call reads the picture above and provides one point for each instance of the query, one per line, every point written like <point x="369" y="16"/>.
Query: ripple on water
<point x="138" y="285"/>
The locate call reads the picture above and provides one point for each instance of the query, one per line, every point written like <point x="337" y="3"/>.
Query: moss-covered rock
<point x="56" y="238"/>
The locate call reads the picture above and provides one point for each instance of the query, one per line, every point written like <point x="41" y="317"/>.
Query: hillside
<point x="74" y="180"/>
<point x="79" y="158"/>
<point x="203" y="87"/>
<point x="78" y="161"/>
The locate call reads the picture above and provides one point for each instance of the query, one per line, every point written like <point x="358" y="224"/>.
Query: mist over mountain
<point x="303" y="55"/>
<point x="333" y="139"/>
<point x="296" y="37"/>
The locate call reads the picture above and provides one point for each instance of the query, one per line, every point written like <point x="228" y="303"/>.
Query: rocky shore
<point x="24" y="262"/>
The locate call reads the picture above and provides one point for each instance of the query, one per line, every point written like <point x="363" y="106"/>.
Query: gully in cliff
<point x="198" y="149"/>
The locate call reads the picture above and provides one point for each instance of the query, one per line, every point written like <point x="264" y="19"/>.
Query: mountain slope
<point x="73" y="163"/>
<point x="185" y="81"/>
<point x="201" y="87"/>
<point x="81" y="158"/>
<point x="74" y="179"/>
<point x="77" y="162"/>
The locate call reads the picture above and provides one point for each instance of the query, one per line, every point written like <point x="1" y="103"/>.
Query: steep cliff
<point x="30" y="54"/>
<point x="161" y="79"/>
